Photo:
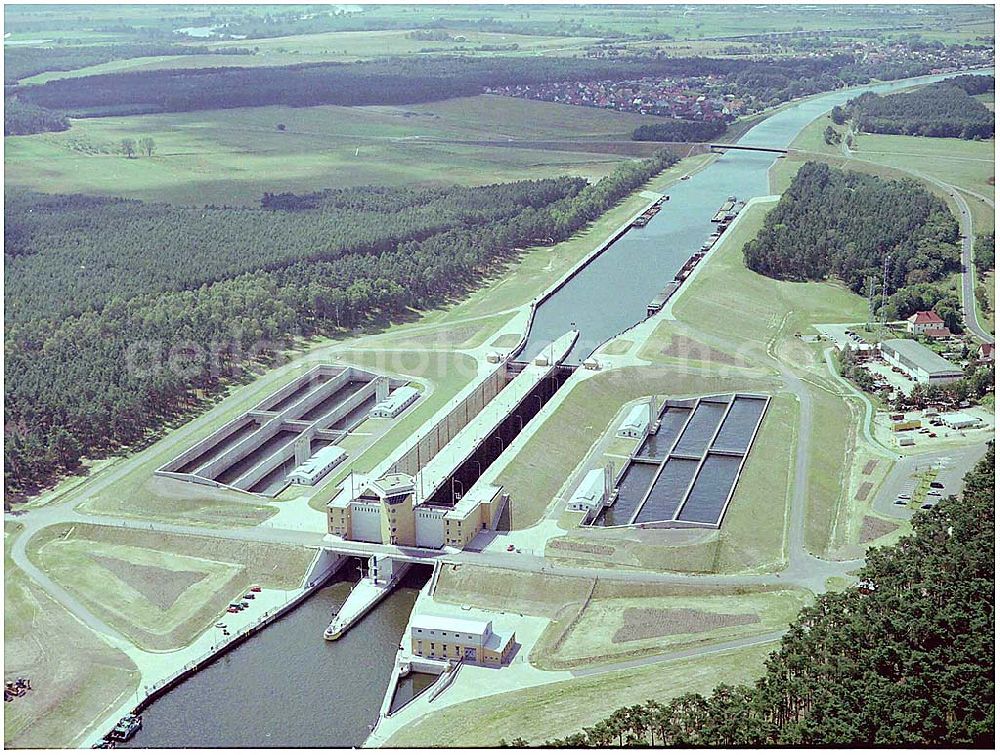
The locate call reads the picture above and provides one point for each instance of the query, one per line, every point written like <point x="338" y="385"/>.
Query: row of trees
<point x="122" y="363"/>
<point x="675" y="130"/>
<point x="905" y="659"/>
<point x="22" y="61"/>
<point x="939" y="110"/>
<point x="145" y="145"/>
<point x="839" y="223"/>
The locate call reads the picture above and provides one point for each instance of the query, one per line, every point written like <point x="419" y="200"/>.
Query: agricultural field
<point x="161" y="590"/>
<point x="965" y="163"/>
<point x="76" y="678"/>
<point x="235" y="155"/>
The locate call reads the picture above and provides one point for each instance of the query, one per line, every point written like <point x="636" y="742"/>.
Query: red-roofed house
<point x="921" y="322"/>
<point x="986" y="352"/>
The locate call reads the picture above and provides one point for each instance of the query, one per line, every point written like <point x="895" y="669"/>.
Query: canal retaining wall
<point x="324" y="566"/>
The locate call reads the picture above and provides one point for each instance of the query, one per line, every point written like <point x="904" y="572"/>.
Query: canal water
<point x="610" y="294"/>
<point x="286" y="686"/>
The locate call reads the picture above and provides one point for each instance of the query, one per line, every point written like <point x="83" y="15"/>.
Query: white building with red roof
<point x="920" y="322"/>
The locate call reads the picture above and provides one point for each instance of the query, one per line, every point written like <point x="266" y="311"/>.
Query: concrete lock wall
<point x="199" y="448"/>
<point x="316" y="395"/>
<point x="348" y="405"/>
<point x="448" y="427"/>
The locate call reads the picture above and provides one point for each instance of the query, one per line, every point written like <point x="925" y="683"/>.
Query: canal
<point x="286" y="686"/>
<point x="610" y="294"/>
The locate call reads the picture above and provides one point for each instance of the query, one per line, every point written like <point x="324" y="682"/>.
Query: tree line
<point x="845" y="224"/>
<point x="23" y="61"/>
<point x="905" y="658"/>
<point x="66" y="254"/>
<point x="676" y="130"/>
<point x="21" y="118"/>
<point x="945" y="109"/>
<point x="398" y="81"/>
<point x="107" y="370"/>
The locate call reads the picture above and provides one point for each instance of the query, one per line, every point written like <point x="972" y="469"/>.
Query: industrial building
<point x="434" y="494"/>
<point x="318" y="465"/>
<point x="960" y="420"/>
<point x="636" y="423"/>
<point x="919" y="362"/>
<point x="451" y="638"/>
<point x="397" y="401"/>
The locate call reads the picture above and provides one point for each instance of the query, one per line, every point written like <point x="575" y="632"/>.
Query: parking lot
<point x="924" y="479"/>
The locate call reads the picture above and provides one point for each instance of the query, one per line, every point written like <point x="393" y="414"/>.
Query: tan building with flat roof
<point x="457" y="639"/>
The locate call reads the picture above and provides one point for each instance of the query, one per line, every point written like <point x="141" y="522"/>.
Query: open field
<point x="235" y="155"/>
<point x="340" y="47"/>
<point x="506" y="590"/>
<point x="76" y="678"/>
<point x="161" y="590"/>
<point x="573" y="704"/>
<point x="965" y="163"/>
<point x="611" y="629"/>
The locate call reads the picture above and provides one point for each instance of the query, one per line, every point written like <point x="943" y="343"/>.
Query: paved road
<point x="676" y="655"/>
<point x="969" y="316"/>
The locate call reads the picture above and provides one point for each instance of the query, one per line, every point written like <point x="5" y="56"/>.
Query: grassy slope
<point x="229" y="568"/>
<point x="75" y="677"/>
<point x="236" y="155"/>
<point x="592" y="638"/>
<point x="562" y="708"/>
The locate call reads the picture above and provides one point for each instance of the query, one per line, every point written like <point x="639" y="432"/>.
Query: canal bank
<point x="610" y="291"/>
<point x="285" y="686"/>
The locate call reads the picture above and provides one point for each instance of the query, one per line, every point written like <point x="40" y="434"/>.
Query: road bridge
<point x="749" y="148"/>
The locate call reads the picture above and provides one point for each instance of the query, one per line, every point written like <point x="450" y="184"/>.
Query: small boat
<point x="126" y="728"/>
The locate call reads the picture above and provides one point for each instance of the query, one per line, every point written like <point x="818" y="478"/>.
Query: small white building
<point x="636" y="423"/>
<point x="395" y="403"/>
<point x="960" y="420"/>
<point x="317" y="466"/>
<point x="589" y="496"/>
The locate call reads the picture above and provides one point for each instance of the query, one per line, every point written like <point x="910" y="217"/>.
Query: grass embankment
<point x="762" y="315"/>
<point x="652" y="621"/>
<point x="561" y="708"/>
<point x="75" y="677"/>
<point x="158" y="589"/>
<point x="236" y="155"/>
